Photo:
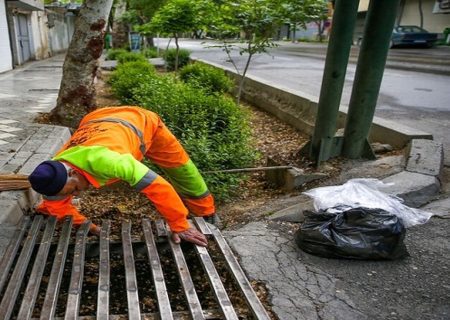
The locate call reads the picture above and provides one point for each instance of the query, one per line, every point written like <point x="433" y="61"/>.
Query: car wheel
<point x="391" y="44"/>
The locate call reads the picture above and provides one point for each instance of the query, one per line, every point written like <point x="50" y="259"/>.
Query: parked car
<point x="412" y="36"/>
<point x="409" y="36"/>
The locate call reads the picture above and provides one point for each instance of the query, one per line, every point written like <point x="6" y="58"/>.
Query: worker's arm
<point x="169" y="204"/>
<point x="61" y="207"/>
<point x="105" y="165"/>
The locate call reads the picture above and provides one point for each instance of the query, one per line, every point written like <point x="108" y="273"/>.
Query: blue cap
<point x="48" y="178"/>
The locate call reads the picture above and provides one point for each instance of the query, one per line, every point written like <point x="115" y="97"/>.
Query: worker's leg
<point x="167" y="153"/>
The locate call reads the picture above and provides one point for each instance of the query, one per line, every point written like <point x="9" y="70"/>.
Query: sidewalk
<point x="24" y="93"/>
<point x="301" y="286"/>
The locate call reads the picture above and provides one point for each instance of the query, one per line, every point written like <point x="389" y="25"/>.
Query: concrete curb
<point x="299" y="109"/>
<point x="40" y="144"/>
<point x="417" y="184"/>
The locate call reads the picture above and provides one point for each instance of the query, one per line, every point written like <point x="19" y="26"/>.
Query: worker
<point x="108" y="146"/>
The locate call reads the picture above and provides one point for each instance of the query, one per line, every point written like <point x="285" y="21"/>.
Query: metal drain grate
<point x="37" y="252"/>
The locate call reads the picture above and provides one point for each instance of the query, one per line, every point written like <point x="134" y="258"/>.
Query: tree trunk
<point x="294" y="29"/>
<point x="421" y="13"/>
<point x="244" y="73"/>
<point x="320" y="28"/>
<point x="120" y="30"/>
<point x="150" y="41"/>
<point x="76" y="94"/>
<point x="177" y="51"/>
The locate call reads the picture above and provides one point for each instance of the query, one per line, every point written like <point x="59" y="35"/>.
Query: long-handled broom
<point x="14" y="182"/>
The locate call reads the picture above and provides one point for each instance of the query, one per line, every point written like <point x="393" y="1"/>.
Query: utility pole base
<point x="328" y="148"/>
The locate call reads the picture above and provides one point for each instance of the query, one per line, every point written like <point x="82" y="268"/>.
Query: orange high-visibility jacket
<point x="109" y="145"/>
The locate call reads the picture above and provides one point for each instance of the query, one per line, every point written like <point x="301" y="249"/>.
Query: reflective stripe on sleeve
<point x="138" y="132"/>
<point x="146" y="180"/>
<point x="204" y="195"/>
<point x="53" y="198"/>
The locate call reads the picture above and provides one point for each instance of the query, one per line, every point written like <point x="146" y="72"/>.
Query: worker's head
<point x="54" y="178"/>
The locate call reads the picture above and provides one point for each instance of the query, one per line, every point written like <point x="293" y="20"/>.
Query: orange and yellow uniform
<point x="109" y="145"/>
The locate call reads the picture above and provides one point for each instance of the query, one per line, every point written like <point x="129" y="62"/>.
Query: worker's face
<point x="76" y="183"/>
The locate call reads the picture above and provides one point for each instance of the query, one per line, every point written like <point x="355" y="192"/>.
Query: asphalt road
<point x="416" y="99"/>
<point x="303" y="286"/>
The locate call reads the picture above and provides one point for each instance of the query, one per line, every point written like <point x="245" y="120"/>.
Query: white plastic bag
<point x="365" y="193"/>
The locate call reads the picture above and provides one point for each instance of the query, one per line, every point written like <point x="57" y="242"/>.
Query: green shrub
<point x="212" y="128"/>
<point x="206" y="77"/>
<point x="150" y="53"/>
<point x="170" y="56"/>
<point x="112" y="54"/>
<point x="128" y="76"/>
<point x="130" y="56"/>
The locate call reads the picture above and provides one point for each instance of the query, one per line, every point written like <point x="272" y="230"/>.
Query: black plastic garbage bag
<point x="359" y="233"/>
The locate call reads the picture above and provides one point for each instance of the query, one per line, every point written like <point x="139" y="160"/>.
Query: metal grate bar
<point x="23" y="250"/>
<point x="104" y="271"/>
<point x="210" y="314"/>
<point x="186" y="281"/>
<point x="76" y="279"/>
<point x="11" y="251"/>
<point x="161" y="230"/>
<point x="213" y="276"/>
<point x="130" y="273"/>
<point x="51" y="296"/>
<point x="165" y="310"/>
<point x="214" y="279"/>
<point x="7" y="305"/>
<point x="32" y="289"/>
<point x="202" y="225"/>
<point x="255" y="305"/>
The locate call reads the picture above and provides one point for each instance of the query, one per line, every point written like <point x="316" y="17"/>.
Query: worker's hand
<point x="94" y="229"/>
<point x="190" y="235"/>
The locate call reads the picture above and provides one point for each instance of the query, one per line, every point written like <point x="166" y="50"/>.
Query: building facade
<point x="30" y="31"/>
<point x="422" y="13"/>
<point x="5" y="45"/>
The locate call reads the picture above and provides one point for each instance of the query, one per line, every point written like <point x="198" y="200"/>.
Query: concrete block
<point x="49" y="146"/>
<point x="440" y="208"/>
<point x="10" y="212"/>
<point x="426" y="157"/>
<point x="31" y="145"/>
<point x="19" y="158"/>
<point x="63" y="133"/>
<point x="108" y="65"/>
<point x="32" y="162"/>
<point x="295" y="178"/>
<point x="415" y="189"/>
<point x="289" y="179"/>
<point x="9" y="168"/>
<point x="25" y="198"/>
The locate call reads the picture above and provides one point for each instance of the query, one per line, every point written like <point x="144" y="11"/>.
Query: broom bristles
<point x="14" y="182"/>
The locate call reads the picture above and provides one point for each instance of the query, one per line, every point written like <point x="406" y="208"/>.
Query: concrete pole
<point x="341" y="37"/>
<point x="380" y="20"/>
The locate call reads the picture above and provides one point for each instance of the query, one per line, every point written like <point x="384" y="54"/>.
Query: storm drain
<point x="51" y="271"/>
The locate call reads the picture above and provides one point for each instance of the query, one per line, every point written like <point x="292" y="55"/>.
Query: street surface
<point x="303" y="286"/>
<point x="416" y="99"/>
